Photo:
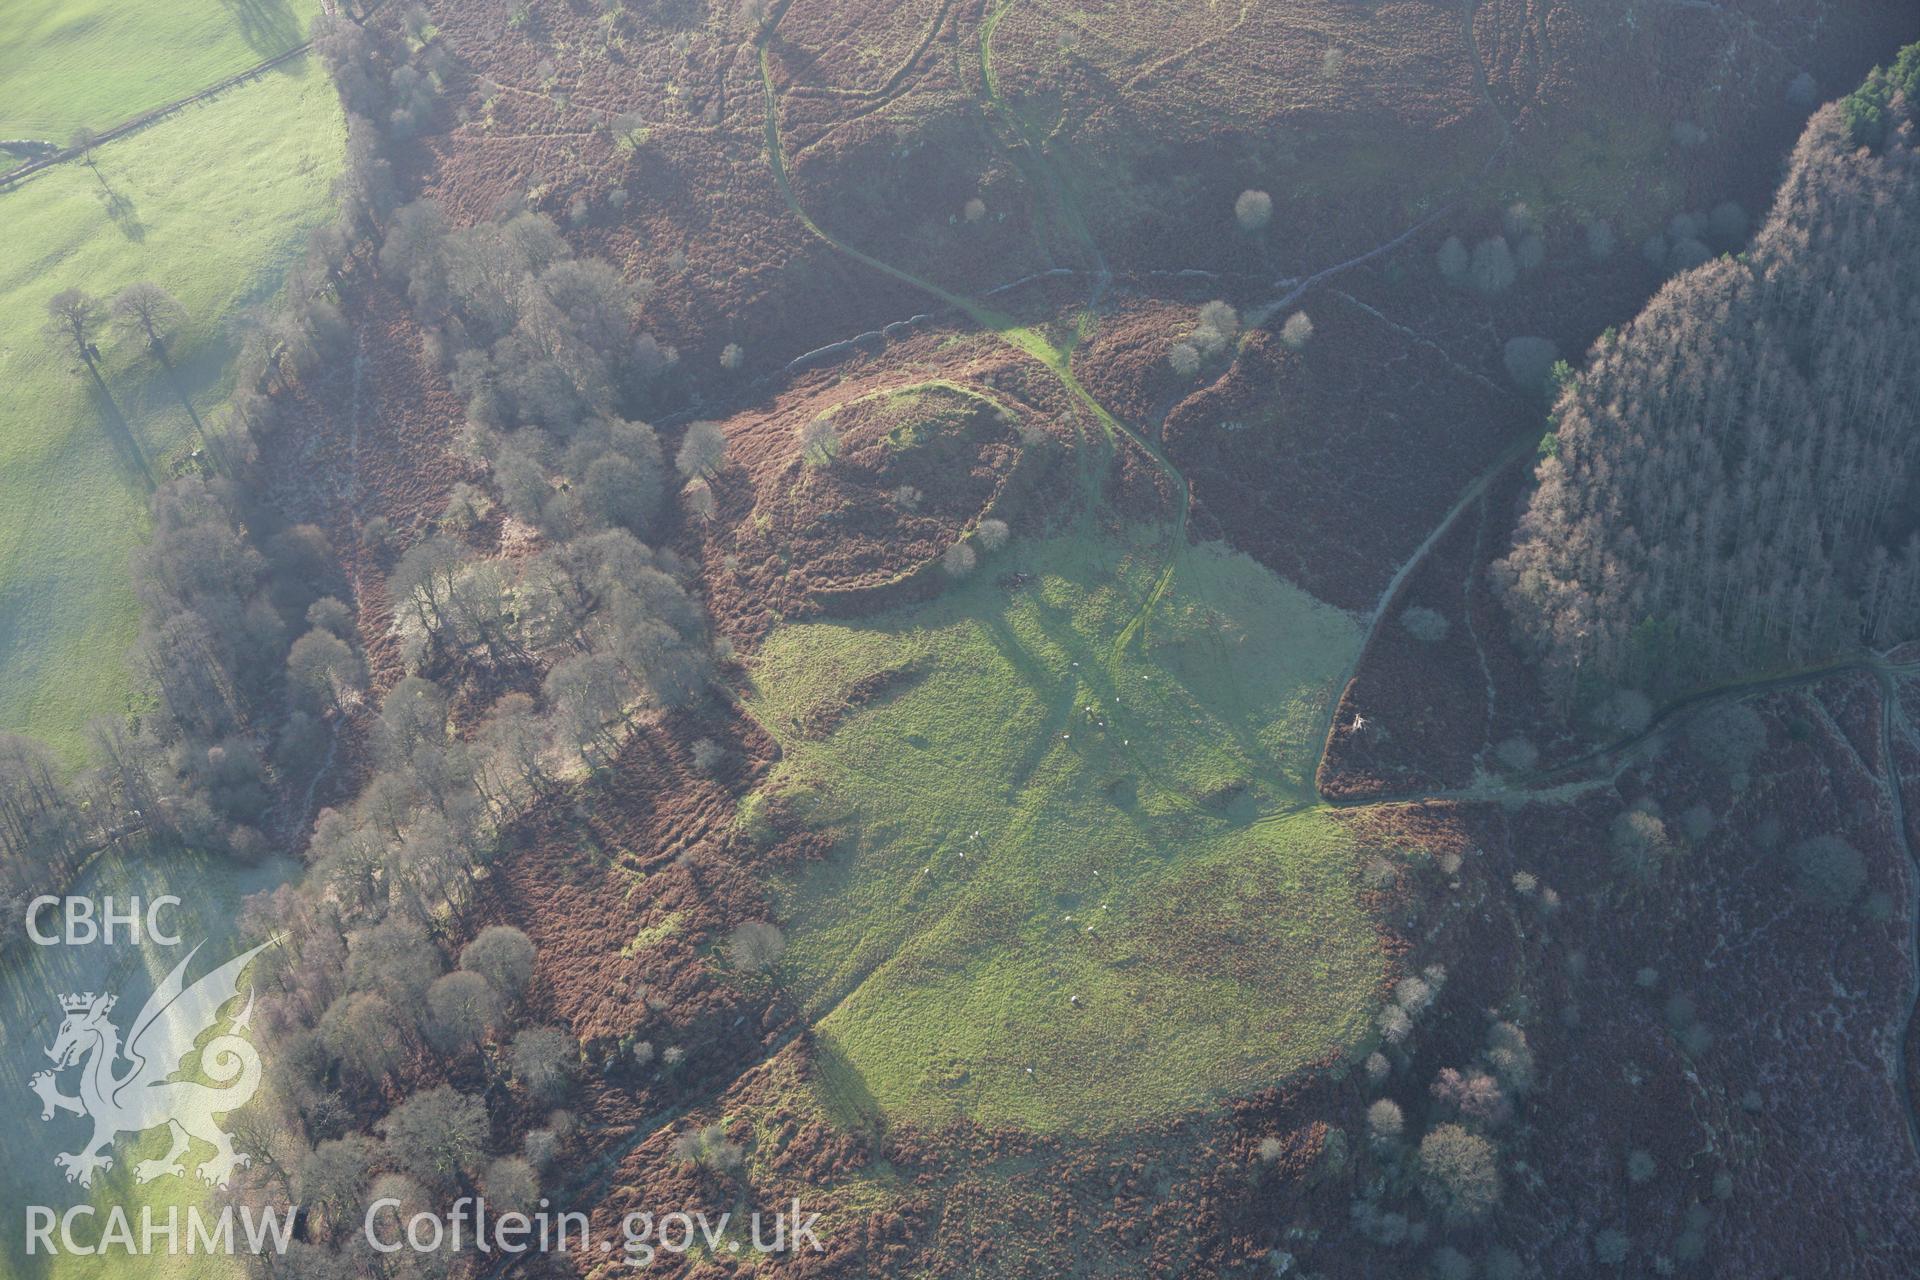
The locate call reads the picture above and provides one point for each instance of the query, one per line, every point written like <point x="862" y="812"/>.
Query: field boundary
<point x="14" y="177"/>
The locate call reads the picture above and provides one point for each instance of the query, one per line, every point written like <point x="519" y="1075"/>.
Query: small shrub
<point x="709" y="1149"/>
<point x="1459" y="1171"/>
<point x="1640" y="843"/>
<point x="1641" y="1167"/>
<point x="1453" y="260"/>
<point x="1510" y="1056"/>
<point x="1413" y="995"/>
<point x="1253" y="210"/>
<point x="1428" y="626"/>
<point x="756" y="945"/>
<point x="753" y="820"/>
<point x="376" y="534"/>
<point x="1297" y="331"/>
<point x="708" y="755"/>
<point x="819" y="441"/>
<point x="1493" y="269"/>
<point x="1384" y="1119"/>
<point x="1610" y="1247"/>
<point x="974" y="210"/>
<point x="732" y="356"/>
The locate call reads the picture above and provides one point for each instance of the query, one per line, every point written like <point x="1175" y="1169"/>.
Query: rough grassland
<point x="213" y="204"/>
<point x="69" y="63"/>
<point x="1037" y="812"/>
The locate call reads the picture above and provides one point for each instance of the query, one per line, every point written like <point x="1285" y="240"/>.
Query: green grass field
<point x="65" y="64"/>
<point x="213" y="204"/>
<point x="1040" y="811"/>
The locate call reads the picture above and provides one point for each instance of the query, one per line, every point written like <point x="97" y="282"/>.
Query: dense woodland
<point x="1729" y="485"/>
<point x="411" y="1063"/>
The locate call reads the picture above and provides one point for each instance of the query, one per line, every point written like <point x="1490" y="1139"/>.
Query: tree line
<point x="1729" y="484"/>
<point x="223" y="584"/>
<point x="408" y="1057"/>
<point x="410" y="1060"/>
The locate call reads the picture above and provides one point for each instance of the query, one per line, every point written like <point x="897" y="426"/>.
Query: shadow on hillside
<point x="268" y="26"/>
<point x="126" y="446"/>
<point x="124" y="216"/>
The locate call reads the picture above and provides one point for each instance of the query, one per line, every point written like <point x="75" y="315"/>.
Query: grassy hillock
<point x="1083" y="884"/>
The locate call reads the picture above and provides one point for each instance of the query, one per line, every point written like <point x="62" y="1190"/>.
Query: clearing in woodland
<point x="1083" y="884"/>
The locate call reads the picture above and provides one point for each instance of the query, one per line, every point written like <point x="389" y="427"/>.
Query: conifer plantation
<point x="1729" y="486"/>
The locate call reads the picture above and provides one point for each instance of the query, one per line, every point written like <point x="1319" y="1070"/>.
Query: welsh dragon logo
<point x="142" y="1096"/>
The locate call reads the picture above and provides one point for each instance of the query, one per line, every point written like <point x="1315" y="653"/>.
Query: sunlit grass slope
<point x="1083" y="883"/>
<point x="65" y="64"/>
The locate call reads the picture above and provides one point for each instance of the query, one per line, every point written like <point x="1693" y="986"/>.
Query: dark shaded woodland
<point x="1729" y="484"/>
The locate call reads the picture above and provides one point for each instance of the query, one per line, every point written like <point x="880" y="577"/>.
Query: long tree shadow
<point x="124" y="216"/>
<point x="268" y="26"/>
<point x="119" y="208"/>
<point x="126" y="446"/>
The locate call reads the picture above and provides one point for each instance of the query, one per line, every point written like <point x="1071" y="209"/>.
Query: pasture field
<point x="1085" y="885"/>
<point x="68" y="64"/>
<point x="213" y="204"/>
